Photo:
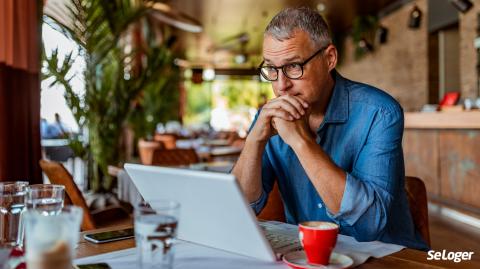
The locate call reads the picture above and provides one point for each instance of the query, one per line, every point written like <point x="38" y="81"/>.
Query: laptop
<point x="213" y="211"/>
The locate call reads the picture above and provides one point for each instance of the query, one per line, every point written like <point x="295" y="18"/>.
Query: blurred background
<point x="94" y="84"/>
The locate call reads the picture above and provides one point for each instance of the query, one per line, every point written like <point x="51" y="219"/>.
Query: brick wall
<point x="400" y="66"/>
<point x="468" y="56"/>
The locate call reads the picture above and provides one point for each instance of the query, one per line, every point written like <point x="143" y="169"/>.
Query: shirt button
<point x="320" y="205"/>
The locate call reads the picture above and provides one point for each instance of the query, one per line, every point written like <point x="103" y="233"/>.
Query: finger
<point x="303" y="103"/>
<point x="295" y="101"/>
<point x="279" y="113"/>
<point x="288" y="106"/>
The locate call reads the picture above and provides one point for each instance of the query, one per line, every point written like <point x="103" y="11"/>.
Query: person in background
<point x="333" y="145"/>
<point x="54" y="130"/>
<point x="44" y="129"/>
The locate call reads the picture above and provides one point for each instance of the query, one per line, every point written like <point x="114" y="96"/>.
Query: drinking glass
<point x="12" y="207"/>
<point x="155" y="233"/>
<point x="46" y="198"/>
<point x="51" y="238"/>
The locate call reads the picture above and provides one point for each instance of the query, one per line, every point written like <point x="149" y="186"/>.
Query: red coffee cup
<point x="318" y="239"/>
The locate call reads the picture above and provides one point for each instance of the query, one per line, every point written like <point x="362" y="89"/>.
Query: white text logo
<point x="449" y="256"/>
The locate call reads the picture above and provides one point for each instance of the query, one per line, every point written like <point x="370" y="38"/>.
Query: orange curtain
<point x="20" y="43"/>
<point x="19" y="31"/>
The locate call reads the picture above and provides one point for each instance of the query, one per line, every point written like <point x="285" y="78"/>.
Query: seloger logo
<point x="449" y="256"/>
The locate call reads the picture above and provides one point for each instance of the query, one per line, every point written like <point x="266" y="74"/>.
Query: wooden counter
<point x="443" y="149"/>
<point x="442" y="120"/>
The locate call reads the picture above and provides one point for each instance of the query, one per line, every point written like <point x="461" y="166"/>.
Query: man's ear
<point x="331" y="57"/>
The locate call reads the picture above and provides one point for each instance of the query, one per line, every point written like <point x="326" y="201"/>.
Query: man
<point x="333" y="145"/>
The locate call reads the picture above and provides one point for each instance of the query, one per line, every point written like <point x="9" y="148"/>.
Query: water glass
<point x="47" y="198"/>
<point x="51" y="238"/>
<point x="12" y="207"/>
<point x="155" y="233"/>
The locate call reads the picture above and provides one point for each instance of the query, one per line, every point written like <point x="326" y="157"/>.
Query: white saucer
<point x="298" y="260"/>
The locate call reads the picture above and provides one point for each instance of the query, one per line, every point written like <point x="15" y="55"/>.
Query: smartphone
<point x="110" y="236"/>
<point x="93" y="266"/>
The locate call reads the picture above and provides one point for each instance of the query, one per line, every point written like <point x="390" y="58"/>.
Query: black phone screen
<point x="94" y="266"/>
<point x="112" y="235"/>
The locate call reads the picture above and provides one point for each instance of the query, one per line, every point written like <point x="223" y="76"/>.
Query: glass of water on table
<point x="47" y="198"/>
<point x="51" y="238"/>
<point x="155" y="233"/>
<point x="12" y="207"/>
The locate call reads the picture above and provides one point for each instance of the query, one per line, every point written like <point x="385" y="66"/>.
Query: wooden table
<point x="406" y="258"/>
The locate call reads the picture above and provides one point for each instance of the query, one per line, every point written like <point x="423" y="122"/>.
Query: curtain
<point x="20" y="43"/>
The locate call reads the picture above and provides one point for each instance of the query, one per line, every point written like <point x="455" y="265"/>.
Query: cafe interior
<point x="87" y="86"/>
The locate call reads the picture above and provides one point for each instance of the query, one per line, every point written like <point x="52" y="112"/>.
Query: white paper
<point x="187" y="255"/>
<point x="347" y="245"/>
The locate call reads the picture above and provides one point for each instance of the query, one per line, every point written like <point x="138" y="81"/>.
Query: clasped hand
<point x="286" y="115"/>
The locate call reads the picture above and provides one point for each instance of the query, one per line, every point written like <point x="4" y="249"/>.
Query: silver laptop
<point x="213" y="211"/>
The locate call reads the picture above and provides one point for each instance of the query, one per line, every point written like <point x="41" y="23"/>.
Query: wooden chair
<point x="146" y="149"/>
<point x="174" y="157"/>
<point x="416" y="195"/>
<point x="417" y="202"/>
<point x="169" y="141"/>
<point x="273" y="210"/>
<point x="57" y="174"/>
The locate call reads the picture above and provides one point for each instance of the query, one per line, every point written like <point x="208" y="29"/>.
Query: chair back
<point x="273" y="210"/>
<point x="174" y="157"/>
<point x="169" y="141"/>
<point x="417" y="202"/>
<point x="57" y="174"/>
<point x="146" y="149"/>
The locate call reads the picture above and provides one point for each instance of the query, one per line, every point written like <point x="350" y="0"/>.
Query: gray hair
<point x="285" y="23"/>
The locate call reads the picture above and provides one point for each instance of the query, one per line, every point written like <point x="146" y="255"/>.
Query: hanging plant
<point x="363" y="34"/>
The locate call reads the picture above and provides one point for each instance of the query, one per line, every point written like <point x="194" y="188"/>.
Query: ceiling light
<point x="321" y="7"/>
<point x="382" y="34"/>
<point x="240" y="58"/>
<point x="415" y="18"/>
<point x="208" y="74"/>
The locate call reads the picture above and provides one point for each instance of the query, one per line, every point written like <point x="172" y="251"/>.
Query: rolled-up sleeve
<point x="258" y="205"/>
<point x="268" y="177"/>
<point x="376" y="177"/>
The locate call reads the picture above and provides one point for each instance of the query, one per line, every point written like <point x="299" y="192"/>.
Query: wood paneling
<point x="420" y="149"/>
<point x="460" y="166"/>
<point x="448" y="161"/>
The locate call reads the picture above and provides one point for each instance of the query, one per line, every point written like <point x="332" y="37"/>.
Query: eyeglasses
<point x="291" y="71"/>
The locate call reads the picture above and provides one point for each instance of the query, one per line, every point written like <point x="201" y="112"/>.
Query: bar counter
<point x="443" y="149"/>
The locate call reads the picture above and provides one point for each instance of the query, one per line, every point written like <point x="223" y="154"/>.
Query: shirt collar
<point x="337" y="110"/>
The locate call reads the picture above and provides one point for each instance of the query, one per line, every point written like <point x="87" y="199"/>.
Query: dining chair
<point x="273" y="210"/>
<point x="174" y="157"/>
<point x="146" y="149"/>
<point x="417" y="202"/>
<point x="92" y="219"/>
<point x="169" y="141"/>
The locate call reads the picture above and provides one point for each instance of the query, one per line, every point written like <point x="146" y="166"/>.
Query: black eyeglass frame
<point x="283" y="66"/>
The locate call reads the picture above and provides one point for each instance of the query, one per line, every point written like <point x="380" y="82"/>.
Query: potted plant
<point x="118" y="73"/>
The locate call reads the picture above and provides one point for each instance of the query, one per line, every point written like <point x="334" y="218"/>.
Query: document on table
<point x="187" y="255"/>
<point x="358" y="251"/>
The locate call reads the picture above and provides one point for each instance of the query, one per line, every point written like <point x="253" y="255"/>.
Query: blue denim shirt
<point x="362" y="133"/>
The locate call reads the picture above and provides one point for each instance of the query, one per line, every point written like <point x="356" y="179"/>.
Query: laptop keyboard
<point x="280" y="239"/>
